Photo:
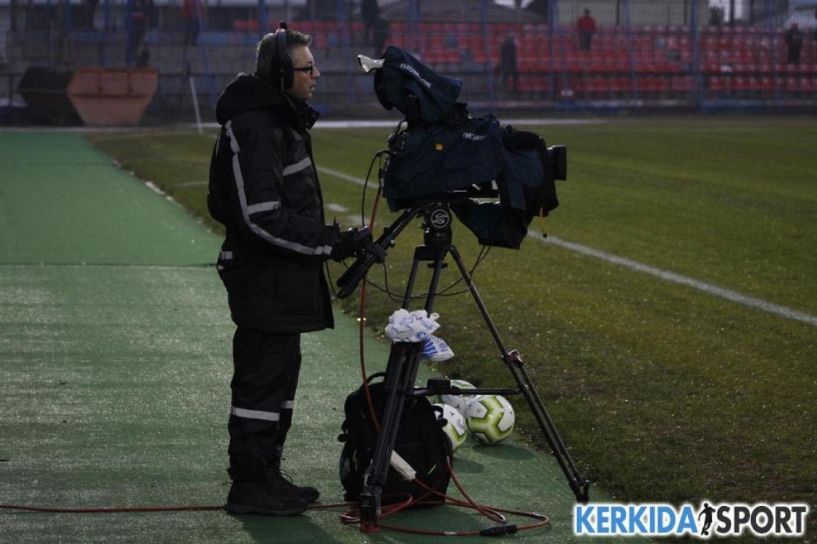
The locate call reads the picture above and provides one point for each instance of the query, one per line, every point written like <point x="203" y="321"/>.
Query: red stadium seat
<point x="717" y="85"/>
<point x="620" y="85"/>
<point x="741" y="85"/>
<point x="681" y="84"/>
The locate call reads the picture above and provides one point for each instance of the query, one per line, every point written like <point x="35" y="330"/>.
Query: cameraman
<point x="264" y="189"/>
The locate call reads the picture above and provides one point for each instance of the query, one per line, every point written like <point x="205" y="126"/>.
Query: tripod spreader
<point x="444" y="387"/>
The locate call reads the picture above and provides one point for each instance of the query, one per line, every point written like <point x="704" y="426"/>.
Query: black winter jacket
<point x="264" y="188"/>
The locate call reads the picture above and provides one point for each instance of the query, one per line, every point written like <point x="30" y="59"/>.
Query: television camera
<point x="441" y="163"/>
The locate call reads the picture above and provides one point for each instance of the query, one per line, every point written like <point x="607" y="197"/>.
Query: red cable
<point x="361" y="315"/>
<point x="482" y="509"/>
<point x="109" y="510"/>
<point x="346" y="518"/>
<point x="123" y="509"/>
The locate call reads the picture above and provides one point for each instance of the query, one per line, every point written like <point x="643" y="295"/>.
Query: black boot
<point x="257" y="496"/>
<point x="281" y="484"/>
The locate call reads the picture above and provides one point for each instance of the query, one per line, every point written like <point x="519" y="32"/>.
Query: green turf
<point x="114" y="390"/>
<point x="662" y="391"/>
<point x="103" y="212"/>
<point x="114" y="372"/>
<point x="727" y="202"/>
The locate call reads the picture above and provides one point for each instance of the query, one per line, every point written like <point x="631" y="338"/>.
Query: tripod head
<point x="437" y="219"/>
<point x="437" y="225"/>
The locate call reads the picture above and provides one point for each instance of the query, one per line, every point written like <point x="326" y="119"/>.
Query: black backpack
<point x="420" y="441"/>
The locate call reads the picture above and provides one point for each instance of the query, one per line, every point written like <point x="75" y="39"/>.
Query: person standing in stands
<point x="794" y="43"/>
<point x="369" y="12"/>
<point x="507" y="62"/>
<point x="192" y="15"/>
<point x="381" y="36"/>
<point x="264" y="189"/>
<point x="586" y="26"/>
<point x="139" y="17"/>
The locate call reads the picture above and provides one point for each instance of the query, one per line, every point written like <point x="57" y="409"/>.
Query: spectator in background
<point x="381" y="36"/>
<point x="715" y="16"/>
<point x="370" y="13"/>
<point x="13" y="15"/>
<point x="192" y="15"/>
<point x="139" y="17"/>
<point x="507" y="62"/>
<point x="586" y="26"/>
<point x="91" y="6"/>
<point x="794" y="42"/>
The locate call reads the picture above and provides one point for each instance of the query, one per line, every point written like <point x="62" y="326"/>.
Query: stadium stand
<point x="661" y="65"/>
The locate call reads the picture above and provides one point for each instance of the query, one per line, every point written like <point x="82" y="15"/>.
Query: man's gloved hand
<point x="349" y="243"/>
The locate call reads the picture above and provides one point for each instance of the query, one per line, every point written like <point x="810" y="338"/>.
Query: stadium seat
<point x="741" y="86"/>
<point x="533" y="83"/>
<point x="717" y="86"/>
<point x="620" y="86"/>
<point x="681" y="84"/>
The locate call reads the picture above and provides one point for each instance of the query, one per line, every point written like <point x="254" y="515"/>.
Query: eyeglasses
<point x="307" y="69"/>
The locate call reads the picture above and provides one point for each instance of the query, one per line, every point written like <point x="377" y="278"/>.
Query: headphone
<point x="281" y="72"/>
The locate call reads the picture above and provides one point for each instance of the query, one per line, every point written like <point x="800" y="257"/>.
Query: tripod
<point x="404" y="358"/>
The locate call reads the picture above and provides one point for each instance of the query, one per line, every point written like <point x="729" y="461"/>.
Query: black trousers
<point x="265" y="378"/>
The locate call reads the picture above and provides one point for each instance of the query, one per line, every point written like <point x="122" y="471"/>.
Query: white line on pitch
<point x="191" y="184"/>
<point x="386" y="123"/>
<point x="152" y="186"/>
<point x="665" y="275"/>
<point x="347" y="177"/>
<point x="333" y="207"/>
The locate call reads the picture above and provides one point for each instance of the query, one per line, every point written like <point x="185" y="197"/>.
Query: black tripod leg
<point x="401" y="373"/>
<point x="577" y="483"/>
<point x="399" y="380"/>
<point x="575" y="480"/>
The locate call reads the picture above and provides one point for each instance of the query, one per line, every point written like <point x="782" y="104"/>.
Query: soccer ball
<point x="458" y="401"/>
<point x="490" y="418"/>
<point x="454" y="426"/>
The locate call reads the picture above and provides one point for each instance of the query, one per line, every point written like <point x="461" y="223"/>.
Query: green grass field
<point x="662" y="391"/>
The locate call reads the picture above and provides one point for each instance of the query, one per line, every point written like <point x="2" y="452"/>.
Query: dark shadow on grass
<point x="466" y="466"/>
<point x="444" y="518"/>
<point x="286" y="529"/>
<point x="506" y="452"/>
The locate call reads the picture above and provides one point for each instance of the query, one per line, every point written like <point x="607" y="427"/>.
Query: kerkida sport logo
<point x="706" y="521"/>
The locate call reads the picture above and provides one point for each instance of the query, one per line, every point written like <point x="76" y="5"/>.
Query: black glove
<point x="349" y="242"/>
